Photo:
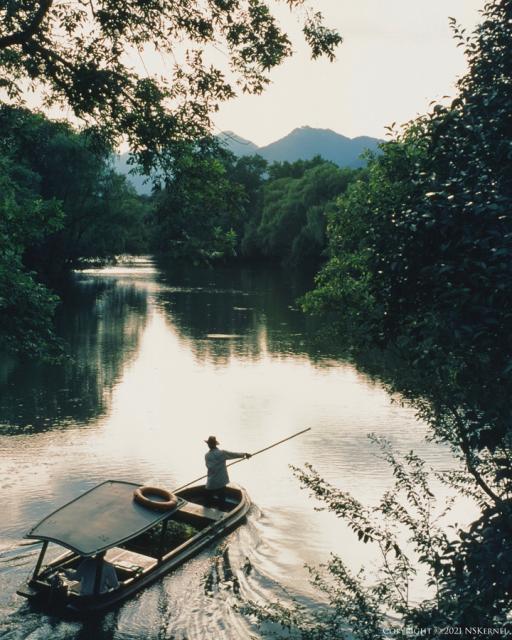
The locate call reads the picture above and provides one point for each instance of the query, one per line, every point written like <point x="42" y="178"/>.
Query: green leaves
<point x="59" y="201"/>
<point x="323" y="41"/>
<point x="26" y="306"/>
<point x="406" y="529"/>
<point x="200" y="212"/>
<point x="83" y="55"/>
<point x="422" y="250"/>
<point x="297" y="199"/>
<point x="417" y="289"/>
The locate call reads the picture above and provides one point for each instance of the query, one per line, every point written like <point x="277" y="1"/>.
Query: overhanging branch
<point x="26" y="34"/>
<point x="466" y="450"/>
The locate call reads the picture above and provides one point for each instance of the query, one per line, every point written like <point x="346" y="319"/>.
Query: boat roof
<point x="103" y="517"/>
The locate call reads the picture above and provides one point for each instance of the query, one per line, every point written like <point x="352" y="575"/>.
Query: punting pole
<point x="252" y="456"/>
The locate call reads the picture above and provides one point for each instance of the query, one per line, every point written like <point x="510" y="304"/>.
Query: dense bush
<point x="296" y="198"/>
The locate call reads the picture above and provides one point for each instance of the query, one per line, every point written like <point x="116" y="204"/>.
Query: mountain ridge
<point x="304" y="143"/>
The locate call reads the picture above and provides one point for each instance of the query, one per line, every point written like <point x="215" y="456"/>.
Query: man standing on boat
<point x="215" y="461"/>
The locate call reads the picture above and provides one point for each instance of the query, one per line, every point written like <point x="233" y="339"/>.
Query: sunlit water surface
<point x="161" y="359"/>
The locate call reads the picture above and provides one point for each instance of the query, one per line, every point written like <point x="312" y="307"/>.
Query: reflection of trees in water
<point x="101" y="324"/>
<point x="247" y="312"/>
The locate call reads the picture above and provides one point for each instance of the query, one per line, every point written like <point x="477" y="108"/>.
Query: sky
<point x="396" y="58"/>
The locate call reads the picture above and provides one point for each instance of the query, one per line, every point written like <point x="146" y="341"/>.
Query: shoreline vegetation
<point x="417" y="289"/>
<point x="64" y="206"/>
<point x="414" y="261"/>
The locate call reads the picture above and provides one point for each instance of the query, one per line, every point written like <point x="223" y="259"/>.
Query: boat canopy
<point x="103" y="517"/>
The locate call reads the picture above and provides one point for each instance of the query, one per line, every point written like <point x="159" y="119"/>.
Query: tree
<point x="421" y="253"/>
<point x="26" y="306"/>
<point x="100" y="208"/>
<point x="81" y="55"/>
<point x="250" y="172"/>
<point x="60" y="200"/>
<point x="467" y="573"/>
<point x="418" y="287"/>
<point x="296" y="198"/>
<point x="117" y="221"/>
<point x="200" y="208"/>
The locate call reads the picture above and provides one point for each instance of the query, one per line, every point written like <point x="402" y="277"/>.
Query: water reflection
<point x="101" y="323"/>
<point x="162" y="358"/>
<point x="245" y="313"/>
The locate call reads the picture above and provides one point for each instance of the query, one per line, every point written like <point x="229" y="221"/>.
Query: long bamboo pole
<point x="271" y="446"/>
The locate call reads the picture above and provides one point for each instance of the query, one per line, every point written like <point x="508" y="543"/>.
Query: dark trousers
<point x="215" y="496"/>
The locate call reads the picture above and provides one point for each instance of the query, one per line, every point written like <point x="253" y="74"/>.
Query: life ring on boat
<point x="142" y="495"/>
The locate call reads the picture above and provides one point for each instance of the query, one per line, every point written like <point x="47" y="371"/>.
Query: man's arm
<point x="228" y="455"/>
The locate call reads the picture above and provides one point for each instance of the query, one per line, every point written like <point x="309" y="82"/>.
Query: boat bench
<point x="197" y="512"/>
<point x="129" y="561"/>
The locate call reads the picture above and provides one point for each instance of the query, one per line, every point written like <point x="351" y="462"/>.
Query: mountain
<point x="141" y="183"/>
<point x="237" y="145"/>
<point x="305" y="143"/>
<point x="300" y="144"/>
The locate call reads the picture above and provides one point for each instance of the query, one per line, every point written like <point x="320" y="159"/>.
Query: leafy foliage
<point x="60" y="201"/>
<point x="215" y="205"/>
<point x="420" y="253"/>
<point x="84" y="55"/>
<point x="200" y="208"/>
<point x="296" y="199"/>
<point x="408" y="529"/>
<point x="26" y="306"/>
<point x="417" y="289"/>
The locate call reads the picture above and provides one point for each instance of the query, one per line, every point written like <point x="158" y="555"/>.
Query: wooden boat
<point x="137" y="544"/>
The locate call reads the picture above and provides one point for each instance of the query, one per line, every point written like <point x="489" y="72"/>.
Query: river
<point x="161" y="358"/>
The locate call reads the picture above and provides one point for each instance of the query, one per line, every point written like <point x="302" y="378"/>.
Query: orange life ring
<point x="142" y="496"/>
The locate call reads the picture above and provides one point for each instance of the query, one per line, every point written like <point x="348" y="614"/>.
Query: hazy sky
<point x="397" y="56"/>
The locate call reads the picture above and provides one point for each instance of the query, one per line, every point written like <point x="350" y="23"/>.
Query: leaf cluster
<point x="296" y="200"/>
<point x="60" y="201"/>
<point x="85" y="55"/>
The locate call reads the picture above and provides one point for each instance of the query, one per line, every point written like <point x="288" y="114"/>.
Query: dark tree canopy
<point x="60" y="200"/>
<point x="81" y="54"/>
<point x="418" y="290"/>
<point x="421" y="251"/>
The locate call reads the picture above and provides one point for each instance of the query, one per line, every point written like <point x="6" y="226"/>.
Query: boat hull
<point x="216" y="524"/>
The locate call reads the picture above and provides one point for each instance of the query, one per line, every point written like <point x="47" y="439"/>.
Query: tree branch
<point x="49" y="54"/>
<point x="21" y="37"/>
<point x="466" y="449"/>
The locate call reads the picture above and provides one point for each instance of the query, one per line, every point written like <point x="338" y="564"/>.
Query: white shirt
<point x="216" y="464"/>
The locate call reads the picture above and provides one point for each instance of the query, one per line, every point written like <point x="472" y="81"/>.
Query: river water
<point x="161" y="358"/>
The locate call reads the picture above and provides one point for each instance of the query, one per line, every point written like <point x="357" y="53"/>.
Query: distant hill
<point x="303" y="143"/>
<point x="237" y="145"/>
<point x="141" y="183"/>
<point x="306" y="142"/>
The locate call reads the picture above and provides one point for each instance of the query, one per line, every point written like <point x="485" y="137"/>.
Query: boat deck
<point x="129" y="560"/>
<point x="200" y="512"/>
<point x="129" y="563"/>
